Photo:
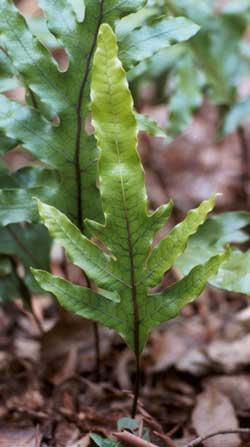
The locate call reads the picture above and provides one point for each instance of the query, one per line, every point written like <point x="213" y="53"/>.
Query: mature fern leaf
<point x="122" y="277"/>
<point x="147" y="40"/>
<point x="238" y="113"/>
<point x="30" y="245"/>
<point x="7" y="80"/>
<point x="186" y="93"/>
<point x="65" y="148"/>
<point x="27" y="244"/>
<point x="217" y="46"/>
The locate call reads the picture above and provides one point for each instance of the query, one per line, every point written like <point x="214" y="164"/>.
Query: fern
<point x="124" y="276"/>
<point x="234" y="274"/>
<point x="63" y="97"/>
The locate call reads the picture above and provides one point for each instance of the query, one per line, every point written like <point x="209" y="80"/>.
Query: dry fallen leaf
<point x="19" y="437"/>
<point x="215" y="412"/>
<point x="66" y="434"/>
<point x="169" y="346"/>
<point x="236" y="387"/>
<point x="194" y="361"/>
<point x="230" y="356"/>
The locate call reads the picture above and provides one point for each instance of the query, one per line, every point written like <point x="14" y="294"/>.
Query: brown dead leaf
<point x="167" y="349"/>
<point x="214" y="412"/>
<point x="30" y="400"/>
<point x="230" y="356"/>
<point x="83" y="442"/>
<point x="169" y="346"/>
<point x="236" y="387"/>
<point x="194" y="361"/>
<point x="66" y="434"/>
<point x="121" y="369"/>
<point x="19" y="437"/>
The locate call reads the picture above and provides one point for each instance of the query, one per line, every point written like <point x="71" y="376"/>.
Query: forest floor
<point x="195" y="369"/>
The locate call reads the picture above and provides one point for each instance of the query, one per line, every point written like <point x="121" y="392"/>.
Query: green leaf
<point x="236" y="116"/>
<point x="5" y="266"/>
<point x="167" y="304"/>
<point x="127" y="424"/>
<point x="98" y="266"/>
<point x="158" y="64"/>
<point x="186" y="94"/>
<point x="9" y="283"/>
<point x="102" y="442"/>
<point x="239" y="7"/>
<point x="171" y="246"/>
<point x="127" y="264"/>
<point x="7" y="79"/>
<point x="234" y="275"/>
<point x="147" y="124"/>
<point x="134" y="21"/>
<point x="142" y="43"/>
<point x="6" y="144"/>
<point x="82" y="301"/>
<point x="210" y="240"/>
<point x="31" y="244"/>
<point x="39" y="28"/>
<point x="197" y="11"/>
<point x="17" y="201"/>
<point x="216" y="47"/>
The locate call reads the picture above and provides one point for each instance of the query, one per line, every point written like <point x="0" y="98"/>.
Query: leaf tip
<point x="35" y="272"/>
<point x="106" y="31"/>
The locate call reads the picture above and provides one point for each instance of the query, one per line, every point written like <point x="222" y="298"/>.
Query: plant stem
<point x="97" y="351"/>
<point x="94" y="325"/>
<point x="245" y="157"/>
<point x="137" y="385"/>
<point x="77" y="162"/>
<point x="96" y="340"/>
<point x="196" y="442"/>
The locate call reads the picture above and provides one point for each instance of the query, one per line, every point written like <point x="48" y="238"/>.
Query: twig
<point x="196" y="442"/>
<point x="168" y="441"/>
<point x="132" y="440"/>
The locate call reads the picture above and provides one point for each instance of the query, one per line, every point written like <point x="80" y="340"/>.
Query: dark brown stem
<point x="77" y="163"/>
<point x="245" y="157"/>
<point x="136" y="386"/>
<point x="196" y="442"/>
<point x="97" y="351"/>
<point x="79" y="120"/>
<point x="96" y="340"/>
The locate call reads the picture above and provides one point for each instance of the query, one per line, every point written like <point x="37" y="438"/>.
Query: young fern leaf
<point x="122" y="300"/>
<point x="129" y="228"/>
